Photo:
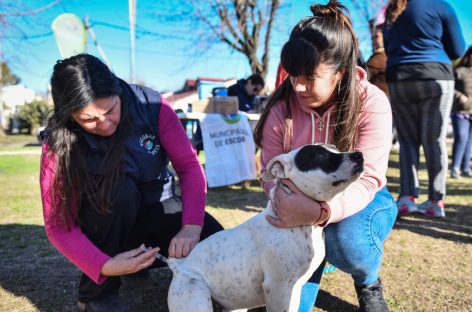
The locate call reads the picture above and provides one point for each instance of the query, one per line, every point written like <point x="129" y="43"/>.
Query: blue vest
<point x="145" y="161"/>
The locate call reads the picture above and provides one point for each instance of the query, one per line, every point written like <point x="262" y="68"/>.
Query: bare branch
<point x="43" y="8"/>
<point x="273" y="9"/>
<point x="236" y="23"/>
<point x="219" y="34"/>
<point x="223" y="13"/>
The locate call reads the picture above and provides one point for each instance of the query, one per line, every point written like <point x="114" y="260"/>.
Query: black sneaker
<point x="109" y="303"/>
<point x="371" y="298"/>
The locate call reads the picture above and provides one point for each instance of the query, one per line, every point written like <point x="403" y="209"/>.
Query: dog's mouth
<point x="336" y="183"/>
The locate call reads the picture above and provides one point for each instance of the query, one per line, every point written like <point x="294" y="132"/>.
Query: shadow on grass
<point x="32" y="268"/>
<point x="394" y="164"/>
<point x="248" y="197"/>
<point x="456" y="227"/>
<point x="33" y="144"/>
<point x="328" y="302"/>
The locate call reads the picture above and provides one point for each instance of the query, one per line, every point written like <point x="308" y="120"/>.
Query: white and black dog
<point x="255" y="263"/>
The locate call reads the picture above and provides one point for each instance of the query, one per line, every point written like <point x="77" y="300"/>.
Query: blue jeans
<point x="461" y="149"/>
<point x="355" y="245"/>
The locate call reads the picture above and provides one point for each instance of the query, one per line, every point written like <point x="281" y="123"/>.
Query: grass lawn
<point x="427" y="263"/>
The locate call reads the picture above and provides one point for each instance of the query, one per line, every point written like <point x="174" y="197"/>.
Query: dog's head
<point x="320" y="171"/>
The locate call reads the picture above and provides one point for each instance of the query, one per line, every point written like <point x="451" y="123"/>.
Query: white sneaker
<point x="406" y="205"/>
<point x="433" y="208"/>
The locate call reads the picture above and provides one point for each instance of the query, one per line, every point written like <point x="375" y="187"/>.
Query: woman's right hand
<point x="293" y="209"/>
<point x="129" y="262"/>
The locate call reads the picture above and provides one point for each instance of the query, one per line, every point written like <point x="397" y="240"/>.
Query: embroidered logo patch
<point x="147" y="141"/>
<point x="231" y="118"/>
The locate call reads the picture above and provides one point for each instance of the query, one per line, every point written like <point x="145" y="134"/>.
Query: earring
<point x="339" y="87"/>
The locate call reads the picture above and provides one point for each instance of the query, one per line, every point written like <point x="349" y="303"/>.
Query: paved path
<point x="9" y="153"/>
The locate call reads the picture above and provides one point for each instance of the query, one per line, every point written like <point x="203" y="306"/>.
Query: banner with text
<point x="70" y="35"/>
<point x="229" y="149"/>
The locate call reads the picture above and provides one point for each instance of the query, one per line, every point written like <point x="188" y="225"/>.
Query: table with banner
<point x="228" y="144"/>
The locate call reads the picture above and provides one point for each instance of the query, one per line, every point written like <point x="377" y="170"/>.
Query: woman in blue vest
<point x="107" y="192"/>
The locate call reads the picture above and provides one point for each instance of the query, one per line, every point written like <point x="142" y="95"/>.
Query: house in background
<point x="12" y="98"/>
<point x="195" y="89"/>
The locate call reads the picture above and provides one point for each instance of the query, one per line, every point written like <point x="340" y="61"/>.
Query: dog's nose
<point x="356" y="156"/>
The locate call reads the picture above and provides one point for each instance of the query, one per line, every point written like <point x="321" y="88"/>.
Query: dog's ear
<point x="277" y="167"/>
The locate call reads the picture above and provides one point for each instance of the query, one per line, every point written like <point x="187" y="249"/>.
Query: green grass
<point x="19" y="177"/>
<point x="20" y="196"/>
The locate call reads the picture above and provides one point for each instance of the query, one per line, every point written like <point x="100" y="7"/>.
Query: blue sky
<point x="162" y="62"/>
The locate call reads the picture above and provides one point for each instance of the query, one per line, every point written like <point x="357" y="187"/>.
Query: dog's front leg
<point x="278" y="296"/>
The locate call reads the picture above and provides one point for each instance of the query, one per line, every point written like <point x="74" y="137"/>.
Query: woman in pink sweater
<point x="327" y="99"/>
<point x="107" y="192"/>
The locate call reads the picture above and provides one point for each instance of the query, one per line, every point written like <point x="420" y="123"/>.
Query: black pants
<point x="129" y="224"/>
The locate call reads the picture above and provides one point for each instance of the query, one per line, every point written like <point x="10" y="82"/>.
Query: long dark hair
<point x="466" y="60"/>
<point x="395" y="8"/>
<point x="325" y="37"/>
<point x="76" y="82"/>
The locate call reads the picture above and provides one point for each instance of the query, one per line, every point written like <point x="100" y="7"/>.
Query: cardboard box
<point x="217" y="104"/>
<point x="225" y="104"/>
<point x="200" y="106"/>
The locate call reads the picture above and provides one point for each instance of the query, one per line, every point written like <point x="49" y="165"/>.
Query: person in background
<point x="106" y="189"/>
<point x="377" y="62"/>
<point x="421" y="37"/>
<point x="246" y="90"/>
<point x="462" y="118"/>
<point x="327" y="99"/>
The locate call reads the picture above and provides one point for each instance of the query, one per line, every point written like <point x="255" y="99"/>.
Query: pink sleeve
<point x="185" y="162"/>
<point x="375" y="138"/>
<point x="73" y="244"/>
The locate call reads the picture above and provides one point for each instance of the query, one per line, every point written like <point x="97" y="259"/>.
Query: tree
<point x="15" y="17"/>
<point x="7" y="77"/>
<point x="33" y="115"/>
<point x="11" y="12"/>
<point x="244" y="26"/>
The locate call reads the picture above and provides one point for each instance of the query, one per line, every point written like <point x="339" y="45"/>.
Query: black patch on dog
<point x="312" y="157"/>
<point x="357" y="158"/>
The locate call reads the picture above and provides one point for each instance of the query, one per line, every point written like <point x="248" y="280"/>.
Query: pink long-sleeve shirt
<point x="374" y="141"/>
<point x="75" y="245"/>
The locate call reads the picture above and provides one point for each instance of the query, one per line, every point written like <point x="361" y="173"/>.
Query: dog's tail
<point x="179" y="268"/>
<point x="175" y="264"/>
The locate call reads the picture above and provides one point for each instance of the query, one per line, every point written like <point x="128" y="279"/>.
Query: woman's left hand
<point x="182" y="243"/>
<point x="294" y="209"/>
